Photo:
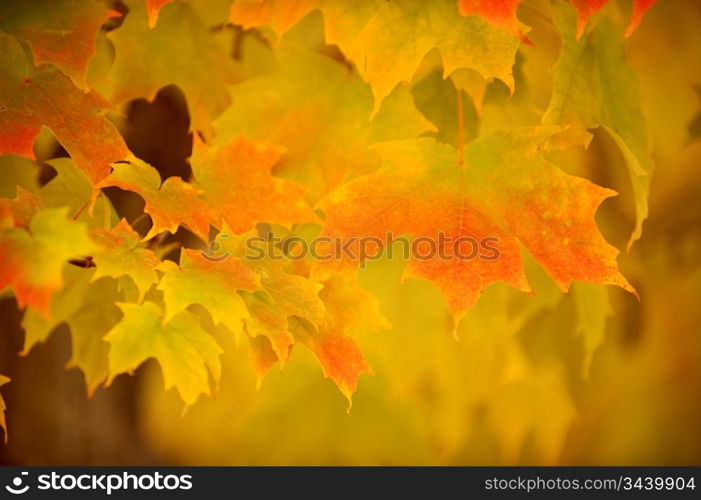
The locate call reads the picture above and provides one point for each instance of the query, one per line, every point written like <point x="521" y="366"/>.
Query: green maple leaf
<point x="214" y="285"/>
<point x="594" y="86"/>
<point x="179" y="50"/>
<point x="186" y="353"/>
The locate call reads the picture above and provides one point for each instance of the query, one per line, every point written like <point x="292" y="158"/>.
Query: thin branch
<point x="81" y="210"/>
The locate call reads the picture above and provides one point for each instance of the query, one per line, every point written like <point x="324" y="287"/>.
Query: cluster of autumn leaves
<point x="294" y="130"/>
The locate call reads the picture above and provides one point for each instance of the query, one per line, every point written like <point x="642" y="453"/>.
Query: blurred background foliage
<point x="589" y="377"/>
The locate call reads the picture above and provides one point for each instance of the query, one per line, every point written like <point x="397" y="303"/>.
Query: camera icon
<point x="16" y="488"/>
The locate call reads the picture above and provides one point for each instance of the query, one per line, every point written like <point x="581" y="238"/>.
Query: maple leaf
<point x="388" y="40"/>
<point x="500" y="12"/>
<point x="280" y="15"/>
<point x="70" y="188"/>
<point x="466" y="79"/>
<point x="153" y="7"/>
<point x="595" y="86"/>
<point x="268" y="329"/>
<point x="399" y="118"/>
<point x="3" y="380"/>
<point x="438" y="99"/>
<point x="284" y="295"/>
<point x="348" y="306"/>
<point x="89" y="310"/>
<point x="62" y="32"/>
<point x="34" y="96"/>
<point x="64" y="304"/>
<point x="639" y="9"/>
<point x="587" y="8"/>
<point x="501" y="187"/>
<point x="32" y="260"/>
<point x="180" y="50"/>
<point x="292" y="308"/>
<point x="186" y="353"/>
<point x="117" y="254"/>
<point x="237" y="183"/>
<point x="19" y="211"/>
<point x="213" y="284"/>
<point x="319" y="110"/>
<point x="97" y="315"/>
<point x="170" y="204"/>
<point x="472" y="83"/>
<point x="262" y="356"/>
<point x="319" y="319"/>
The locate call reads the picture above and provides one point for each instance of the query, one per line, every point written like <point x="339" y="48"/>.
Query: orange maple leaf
<point x="62" y="32"/>
<point x="153" y="7"/>
<point x="587" y="8"/>
<point x="170" y="204"/>
<point x="639" y="8"/>
<point x="237" y="182"/>
<point x="348" y="306"/>
<point x="19" y="211"/>
<point x="34" y="96"/>
<point x="502" y="188"/>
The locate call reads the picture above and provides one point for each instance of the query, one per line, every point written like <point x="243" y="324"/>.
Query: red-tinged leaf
<point x="237" y="182"/>
<point x="322" y="120"/>
<point x="585" y="9"/>
<point x="388" y="40"/>
<point x="170" y="204"/>
<point x="62" y="32"/>
<point x="500" y="12"/>
<point x="639" y="8"/>
<point x="20" y="210"/>
<point x="153" y="8"/>
<point x="501" y="188"/>
<point x="339" y="356"/>
<point x="31" y="261"/>
<point x="34" y="96"/>
<point x="295" y="309"/>
<point x="262" y="356"/>
<point x="348" y="306"/>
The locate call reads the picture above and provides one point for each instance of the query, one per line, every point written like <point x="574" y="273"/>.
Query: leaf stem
<point x="81" y="210"/>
